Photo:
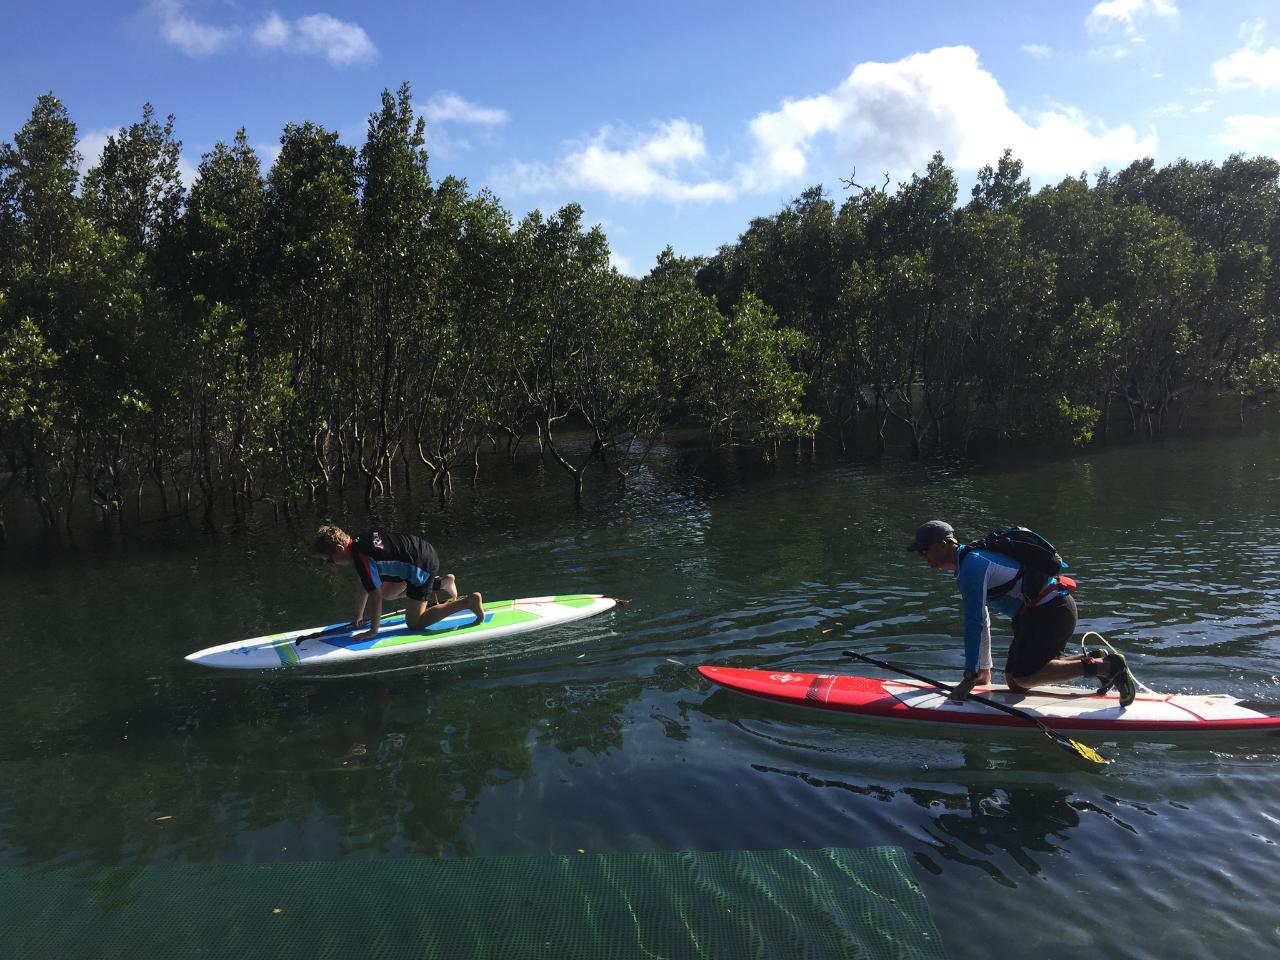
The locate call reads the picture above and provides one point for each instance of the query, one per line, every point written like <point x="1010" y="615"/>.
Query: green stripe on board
<point x="287" y="652"/>
<point x="576" y="600"/>
<point x="500" y="618"/>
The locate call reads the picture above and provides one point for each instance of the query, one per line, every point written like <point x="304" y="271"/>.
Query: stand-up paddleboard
<point x="1061" y="707"/>
<point x="336" y="644"/>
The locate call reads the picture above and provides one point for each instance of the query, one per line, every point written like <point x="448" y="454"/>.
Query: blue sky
<point x="674" y="122"/>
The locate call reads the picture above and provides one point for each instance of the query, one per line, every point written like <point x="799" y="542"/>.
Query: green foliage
<point x="1260" y="378"/>
<point x="748" y="389"/>
<point x="135" y="189"/>
<point x="675" y="325"/>
<point x="313" y="327"/>
<point x="1074" y="420"/>
<point x="225" y="225"/>
<point x="310" y="254"/>
<point x="241" y="404"/>
<point x="1001" y="188"/>
<point x="39" y="173"/>
<point x="29" y="394"/>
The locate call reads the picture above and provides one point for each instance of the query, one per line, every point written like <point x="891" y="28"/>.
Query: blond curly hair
<point x="330" y="538"/>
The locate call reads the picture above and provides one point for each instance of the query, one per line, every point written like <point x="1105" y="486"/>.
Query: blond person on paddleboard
<point x="1038" y="602"/>
<point x="393" y="565"/>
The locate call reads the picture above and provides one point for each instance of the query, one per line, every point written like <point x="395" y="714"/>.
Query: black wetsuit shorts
<point x="1040" y="634"/>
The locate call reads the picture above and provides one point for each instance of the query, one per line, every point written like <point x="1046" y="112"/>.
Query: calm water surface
<point x="601" y="737"/>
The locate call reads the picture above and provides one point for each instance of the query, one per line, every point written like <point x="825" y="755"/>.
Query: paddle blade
<point x="1076" y="747"/>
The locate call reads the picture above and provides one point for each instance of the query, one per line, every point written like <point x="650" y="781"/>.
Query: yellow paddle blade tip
<point x="1088" y="752"/>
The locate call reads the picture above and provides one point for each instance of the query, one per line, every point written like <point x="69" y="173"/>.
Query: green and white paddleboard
<point x="335" y="644"/>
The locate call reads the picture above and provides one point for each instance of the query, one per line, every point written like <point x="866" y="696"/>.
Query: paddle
<point x="1073" y="746"/>
<point x="339" y="629"/>
<point x="323" y="632"/>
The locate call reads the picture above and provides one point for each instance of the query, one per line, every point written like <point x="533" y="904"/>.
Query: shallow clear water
<point x="601" y="737"/>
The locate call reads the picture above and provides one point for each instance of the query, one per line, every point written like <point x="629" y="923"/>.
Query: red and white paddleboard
<point x="1062" y="708"/>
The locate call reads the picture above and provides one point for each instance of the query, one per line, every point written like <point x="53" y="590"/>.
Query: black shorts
<point x="1040" y="635"/>
<point x="422" y="591"/>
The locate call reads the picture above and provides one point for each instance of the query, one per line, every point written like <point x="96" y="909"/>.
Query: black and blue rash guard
<point x="395" y="556"/>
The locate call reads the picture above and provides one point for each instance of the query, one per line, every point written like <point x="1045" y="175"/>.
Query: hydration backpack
<point x="1038" y="557"/>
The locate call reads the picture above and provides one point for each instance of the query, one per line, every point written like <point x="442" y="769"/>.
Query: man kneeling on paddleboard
<point x="1016" y="571"/>
<point x="394" y="565"/>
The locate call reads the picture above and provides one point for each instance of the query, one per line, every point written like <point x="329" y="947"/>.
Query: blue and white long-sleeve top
<point x="978" y="574"/>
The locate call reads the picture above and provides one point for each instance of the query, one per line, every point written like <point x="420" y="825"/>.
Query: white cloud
<point x="272" y="32"/>
<point x="188" y="172"/>
<point x="268" y="153"/>
<point x="446" y="145"/>
<point x="520" y="176"/>
<point x="338" y="41"/>
<point x="1112" y="51"/>
<point x="1250" y="66"/>
<point x="883" y="117"/>
<point x="1181" y="109"/>
<point x="91" y="145"/>
<point x="1252" y="133"/>
<point x="448" y="107"/>
<point x="189" y="35"/>
<point x="628" y="166"/>
<point x="623" y="264"/>
<point x="1037" y="50"/>
<point x="1126" y="13"/>
<point x="893" y="116"/>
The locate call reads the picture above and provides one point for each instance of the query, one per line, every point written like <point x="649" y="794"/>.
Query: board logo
<point x="785" y="677"/>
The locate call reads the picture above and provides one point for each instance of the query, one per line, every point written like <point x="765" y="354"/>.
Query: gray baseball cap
<point x="930" y="533"/>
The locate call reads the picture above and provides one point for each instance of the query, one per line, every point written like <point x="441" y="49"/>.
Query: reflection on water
<point x="600" y="736"/>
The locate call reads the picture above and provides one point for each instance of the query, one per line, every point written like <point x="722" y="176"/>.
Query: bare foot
<point x="449" y="586"/>
<point x="475" y="602"/>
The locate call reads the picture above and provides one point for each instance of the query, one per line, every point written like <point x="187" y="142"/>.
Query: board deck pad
<point x="338" y="643"/>
<point x="402" y="635"/>
<point x="1059" y="707"/>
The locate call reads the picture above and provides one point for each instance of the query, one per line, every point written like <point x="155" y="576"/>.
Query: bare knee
<point x="416" y="613"/>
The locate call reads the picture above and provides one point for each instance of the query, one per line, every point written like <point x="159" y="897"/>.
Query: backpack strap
<point x="1064" y="583"/>
<point x="995" y="593"/>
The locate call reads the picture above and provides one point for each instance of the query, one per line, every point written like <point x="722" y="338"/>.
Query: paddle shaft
<point x="336" y="630"/>
<point x="996" y="704"/>
<point x="1066" y="743"/>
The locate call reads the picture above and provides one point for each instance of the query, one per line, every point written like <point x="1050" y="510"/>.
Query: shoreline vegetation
<point x="305" y="331"/>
